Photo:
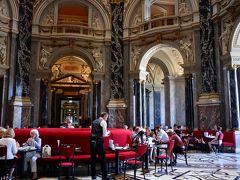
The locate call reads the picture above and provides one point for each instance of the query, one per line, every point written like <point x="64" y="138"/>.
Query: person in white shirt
<point x="12" y="149"/>
<point x="34" y="141"/>
<point x="162" y="136"/>
<point x="98" y="132"/>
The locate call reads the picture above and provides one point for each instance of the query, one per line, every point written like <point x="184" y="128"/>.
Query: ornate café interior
<point x="150" y="86"/>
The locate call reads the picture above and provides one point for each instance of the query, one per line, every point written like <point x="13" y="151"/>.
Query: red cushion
<point x="126" y="155"/>
<point x="228" y="144"/>
<point x="162" y="157"/>
<point x="132" y="162"/>
<point x="66" y="164"/>
<point x="82" y="158"/>
<point x="110" y="157"/>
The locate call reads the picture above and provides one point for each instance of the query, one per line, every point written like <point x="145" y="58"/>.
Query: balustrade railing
<point x="151" y="24"/>
<point x="154" y="23"/>
<point x="71" y="29"/>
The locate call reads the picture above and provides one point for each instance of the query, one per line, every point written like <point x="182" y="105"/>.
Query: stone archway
<point x="163" y="66"/>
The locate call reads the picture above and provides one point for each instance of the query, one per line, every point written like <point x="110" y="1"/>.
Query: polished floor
<point x="201" y="166"/>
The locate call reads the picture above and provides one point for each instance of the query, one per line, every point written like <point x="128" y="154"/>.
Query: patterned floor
<point x="202" y="166"/>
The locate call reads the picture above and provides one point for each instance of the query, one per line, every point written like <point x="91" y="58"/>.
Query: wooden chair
<point x="66" y="158"/>
<point x="165" y="157"/>
<point x="138" y="160"/>
<point x="3" y="162"/>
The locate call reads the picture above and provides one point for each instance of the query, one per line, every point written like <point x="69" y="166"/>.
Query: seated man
<point x="178" y="144"/>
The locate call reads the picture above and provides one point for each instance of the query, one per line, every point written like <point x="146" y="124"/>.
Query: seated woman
<point x="34" y="141"/>
<point x="137" y="137"/>
<point x="215" y="140"/>
<point x="12" y="149"/>
<point x="178" y="144"/>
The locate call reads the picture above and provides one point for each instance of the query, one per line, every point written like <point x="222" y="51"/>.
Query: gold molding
<point x="209" y="97"/>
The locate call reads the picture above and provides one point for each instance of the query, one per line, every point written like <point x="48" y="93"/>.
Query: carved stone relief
<point x="224" y="37"/>
<point x="3" y="50"/>
<point x="178" y="60"/>
<point x="98" y="57"/>
<point x="186" y="48"/>
<point x="3" y="8"/>
<point x="48" y="19"/>
<point x="95" y="21"/>
<point x="85" y="72"/>
<point x="137" y="19"/>
<point x="135" y="52"/>
<point x="56" y="71"/>
<point x="106" y="4"/>
<point x="45" y="53"/>
<point x="183" y="7"/>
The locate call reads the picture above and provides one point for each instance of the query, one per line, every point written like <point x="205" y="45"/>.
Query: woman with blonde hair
<point x="33" y="141"/>
<point x="12" y="149"/>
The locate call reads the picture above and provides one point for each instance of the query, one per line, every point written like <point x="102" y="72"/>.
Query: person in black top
<point x="98" y="132"/>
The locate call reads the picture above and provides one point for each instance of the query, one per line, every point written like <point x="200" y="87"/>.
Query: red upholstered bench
<point x="229" y="140"/>
<point x="78" y="136"/>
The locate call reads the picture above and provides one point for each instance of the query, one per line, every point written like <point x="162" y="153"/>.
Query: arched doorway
<point x="70" y="89"/>
<point x="165" y="86"/>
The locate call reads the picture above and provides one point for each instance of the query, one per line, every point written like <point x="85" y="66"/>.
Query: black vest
<point x="97" y="132"/>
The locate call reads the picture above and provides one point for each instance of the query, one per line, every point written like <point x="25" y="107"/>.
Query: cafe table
<point x="22" y="151"/>
<point x="117" y="150"/>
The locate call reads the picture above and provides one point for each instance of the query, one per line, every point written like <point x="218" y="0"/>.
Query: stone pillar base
<point x="237" y="141"/>
<point x="117" y="113"/>
<point x="20" y="112"/>
<point x="208" y="111"/>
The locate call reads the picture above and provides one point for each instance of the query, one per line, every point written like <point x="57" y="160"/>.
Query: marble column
<point x="236" y="121"/>
<point x="189" y="100"/>
<point x="21" y="104"/>
<point x="157" y="107"/>
<point x="236" y="90"/>
<point x="96" y="99"/>
<point x="138" y="103"/>
<point x="117" y="105"/>
<point x="143" y="90"/>
<point x="169" y="84"/>
<point x="208" y="103"/>
<point x="148" y="108"/>
<point x="43" y="102"/>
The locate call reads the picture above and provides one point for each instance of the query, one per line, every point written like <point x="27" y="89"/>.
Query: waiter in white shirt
<point x="99" y="131"/>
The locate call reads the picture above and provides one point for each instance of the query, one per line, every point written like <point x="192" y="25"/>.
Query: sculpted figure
<point x="183" y="8"/>
<point x="185" y="46"/>
<point x="3" y="8"/>
<point x="3" y="50"/>
<point x="97" y="54"/>
<point x="223" y="39"/>
<point x="135" y="54"/>
<point x="85" y="72"/>
<point x="137" y="19"/>
<point x="43" y="57"/>
<point x="96" y="23"/>
<point x="56" y="71"/>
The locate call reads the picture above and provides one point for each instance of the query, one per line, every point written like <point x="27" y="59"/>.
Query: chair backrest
<point x="141" y="150"/>
<point x="220" y="138"/>
<point x="66" y="151"/>
<point x="3" y="151"/>
<point x="170" y="146"/>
